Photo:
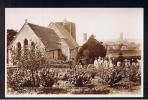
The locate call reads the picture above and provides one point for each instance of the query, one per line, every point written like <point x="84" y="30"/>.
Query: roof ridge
<point x="39" y="25"/>
<point x="45" y="33"/>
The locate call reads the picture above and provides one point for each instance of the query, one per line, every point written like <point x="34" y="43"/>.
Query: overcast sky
<point x="105" y="23"/>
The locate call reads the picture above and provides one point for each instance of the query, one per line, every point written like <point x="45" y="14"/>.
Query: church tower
<point x="69" y="27"/>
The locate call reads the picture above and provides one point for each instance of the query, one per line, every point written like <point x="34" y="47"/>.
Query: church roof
<point x="67" y="37"/>
<point x="48" y="36"/>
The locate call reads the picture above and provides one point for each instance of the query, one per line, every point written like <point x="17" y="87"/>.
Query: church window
<point x="25" y="46"/>
<point x="19" y="49"/>
<point x="32" y="46"/>
<point x="25" y="43"/>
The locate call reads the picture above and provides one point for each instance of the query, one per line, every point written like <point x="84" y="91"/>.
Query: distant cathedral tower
<point x="121" y="36"/>
<point x="84" y="37"/>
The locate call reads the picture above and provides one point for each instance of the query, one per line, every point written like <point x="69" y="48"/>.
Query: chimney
<point x="85" y="37"/>
<point x="121" y="36"/>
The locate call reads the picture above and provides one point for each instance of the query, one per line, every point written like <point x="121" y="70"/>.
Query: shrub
<point x="32" y="68"/>
<point x="110" y="76"/>
<point x="90" y="51"/>
<point x="21" y="78"/>
<point x="47" y="79"/>
<point x="113" y="78"/>
<point x="134" y="74"/>
<point x="114" y="75"/>
<point x="79" y="77"/>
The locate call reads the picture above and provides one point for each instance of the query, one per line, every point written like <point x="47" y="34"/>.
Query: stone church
<point x="57" y="39"/>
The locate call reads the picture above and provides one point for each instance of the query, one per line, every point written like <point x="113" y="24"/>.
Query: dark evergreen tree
<point x="10" y="35"/>
<point x="92" y="49"/>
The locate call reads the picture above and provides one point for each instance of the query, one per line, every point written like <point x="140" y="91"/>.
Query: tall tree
<point x="91" y="49"/>
<point x="10" y="35"/>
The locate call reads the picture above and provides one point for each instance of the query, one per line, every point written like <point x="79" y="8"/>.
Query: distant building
<point x="121" y="37"/>
<point x="127" y="47"/>
<point x="55" y="40"/>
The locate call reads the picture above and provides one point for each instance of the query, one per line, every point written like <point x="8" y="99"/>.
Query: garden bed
<point x="73" y="90"/>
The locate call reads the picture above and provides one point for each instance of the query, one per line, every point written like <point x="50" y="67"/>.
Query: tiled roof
<point x="48" y="36"/>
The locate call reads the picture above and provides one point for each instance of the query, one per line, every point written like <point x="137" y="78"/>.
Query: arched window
<point x="25" y="47"/>
<point x="25" y="43"/>
<point x="19" y="48"/>
<point x="32" y="46"/>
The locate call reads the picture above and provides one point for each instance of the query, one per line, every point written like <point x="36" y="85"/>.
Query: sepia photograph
<point x="74" y="52"/>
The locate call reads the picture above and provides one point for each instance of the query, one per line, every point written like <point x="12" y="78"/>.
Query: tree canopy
<point x="91" y="49"/>
<point x="10" y="35"/>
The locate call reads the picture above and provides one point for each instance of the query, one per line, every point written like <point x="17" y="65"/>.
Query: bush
<point x="111" y="76"/>
<point x="79" y="77"/>
<point x="89" y="52"/>
<point x="134" y="75"/>
<point x="114" y="75"/>
<point x="21" y="78"/>
<point x="47" y="79"/>
<point x="32" y="65"/>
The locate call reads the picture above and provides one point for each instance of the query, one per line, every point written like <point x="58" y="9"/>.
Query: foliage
<point x="134" y="74"/>
<point x="10" y="35"/>
<point x="63" y="57"/>
<point x="114" y="78"/>
<point x="117" y="74"/>
<point x="120" y="57"/>
<point x="34" y="70"/>
<point x="29" y="62"/>
<point x="91" y="49"/>
<point x="22" y="78"/>
<point x="79" y="77"/>
<point x="110" y="76"/>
